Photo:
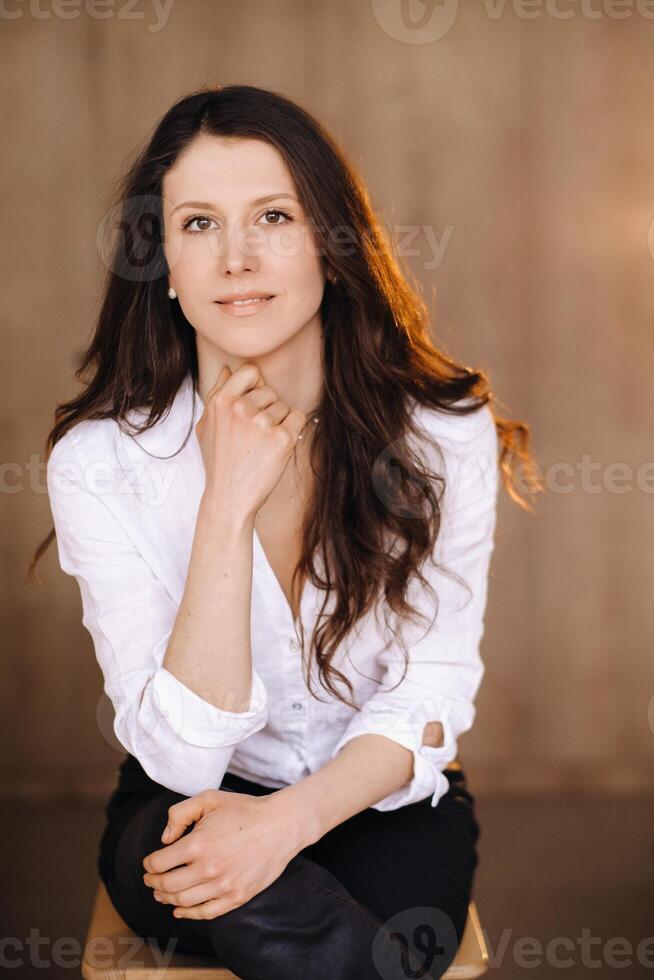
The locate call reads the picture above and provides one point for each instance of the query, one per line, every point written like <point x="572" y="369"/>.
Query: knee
<point x="140" y="837"/>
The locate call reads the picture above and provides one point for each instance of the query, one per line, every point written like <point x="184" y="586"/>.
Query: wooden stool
<point x="113" y="952"/>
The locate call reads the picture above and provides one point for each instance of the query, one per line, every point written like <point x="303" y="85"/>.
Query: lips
<point x="245" y="301"/>
<point x="245" y="307"/>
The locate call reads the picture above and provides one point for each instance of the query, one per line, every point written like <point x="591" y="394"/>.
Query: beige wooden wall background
<point x="524" y="147"/>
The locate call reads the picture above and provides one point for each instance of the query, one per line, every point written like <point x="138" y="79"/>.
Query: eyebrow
<point x="258" y="200"/>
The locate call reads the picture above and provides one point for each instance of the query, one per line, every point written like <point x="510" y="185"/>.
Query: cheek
<point x="303" y="275"/>
<point x="188" y="258"/>
<point x="303" y="300"/>
<point x="176" y="252"/>
<point x="294" y="253"/>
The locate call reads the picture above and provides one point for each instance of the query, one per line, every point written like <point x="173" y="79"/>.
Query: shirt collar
<point x="166" y="437"/>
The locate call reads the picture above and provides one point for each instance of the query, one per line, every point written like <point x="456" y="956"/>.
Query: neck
<point x="293" y="370"/>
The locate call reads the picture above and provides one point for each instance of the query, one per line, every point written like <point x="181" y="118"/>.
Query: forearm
<point x="367" y="769"/>
<point x="216" y="604"/>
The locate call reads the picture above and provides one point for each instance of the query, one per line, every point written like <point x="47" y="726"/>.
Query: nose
<point x="239" y="250"/>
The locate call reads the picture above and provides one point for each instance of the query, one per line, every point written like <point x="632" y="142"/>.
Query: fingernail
<point x="166" y="834"/>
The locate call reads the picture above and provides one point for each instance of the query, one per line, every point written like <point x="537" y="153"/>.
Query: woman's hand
<point x="247" y="436"/>
<point x="238" y="846"/>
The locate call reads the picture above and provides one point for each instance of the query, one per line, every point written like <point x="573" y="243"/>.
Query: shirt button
<point x="293" y="646"/>
<point x="297" y="706"/>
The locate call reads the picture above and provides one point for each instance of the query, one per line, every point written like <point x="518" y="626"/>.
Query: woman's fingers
<point x="181" y="815"/>
<point x="294" y="423"/>
<point x="208" y="910"/>
<point x="247" y="378"/>
<point x="224" y="373"/>
<point x="189" y="897"/>
<point x="178" y="879"/>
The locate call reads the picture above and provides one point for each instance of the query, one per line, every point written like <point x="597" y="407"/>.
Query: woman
<point x="257" y="325"/>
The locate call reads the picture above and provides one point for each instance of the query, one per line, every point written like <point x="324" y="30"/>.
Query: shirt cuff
<point x="428" y="760"/>
<point x="198" y="722"/>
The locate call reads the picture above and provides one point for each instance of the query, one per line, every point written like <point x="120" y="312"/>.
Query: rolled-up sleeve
<point x="444" y="669"/>
<point x="183" y="742"/>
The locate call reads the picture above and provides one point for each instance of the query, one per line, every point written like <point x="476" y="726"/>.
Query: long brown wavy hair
<point x="377" y="351"/>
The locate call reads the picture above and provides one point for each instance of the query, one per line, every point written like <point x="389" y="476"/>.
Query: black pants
<point x="377" y="896"/>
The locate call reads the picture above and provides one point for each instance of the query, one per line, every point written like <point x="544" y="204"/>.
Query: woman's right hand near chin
<point x="247" y="436"/>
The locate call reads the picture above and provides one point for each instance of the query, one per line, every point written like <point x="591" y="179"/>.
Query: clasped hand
<point x="238" y="846"/>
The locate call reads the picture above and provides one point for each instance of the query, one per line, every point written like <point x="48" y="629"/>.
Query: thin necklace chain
<point x="313" y="419"/>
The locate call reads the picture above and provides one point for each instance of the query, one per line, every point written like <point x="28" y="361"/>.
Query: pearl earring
<point x="171" y="293"/>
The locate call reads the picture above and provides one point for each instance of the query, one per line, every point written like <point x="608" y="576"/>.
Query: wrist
<point x="212" y="512"/>
<point x="300" y="823"/>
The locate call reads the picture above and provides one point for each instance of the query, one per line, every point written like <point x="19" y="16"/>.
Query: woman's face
<point x="229" y="241"/>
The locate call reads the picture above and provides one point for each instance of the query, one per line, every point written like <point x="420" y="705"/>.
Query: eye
<point x="278" y="212"/>
<point x="190" y="221"/>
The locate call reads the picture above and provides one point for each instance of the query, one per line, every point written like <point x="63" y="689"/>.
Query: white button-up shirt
<point x="125" y="522"/>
